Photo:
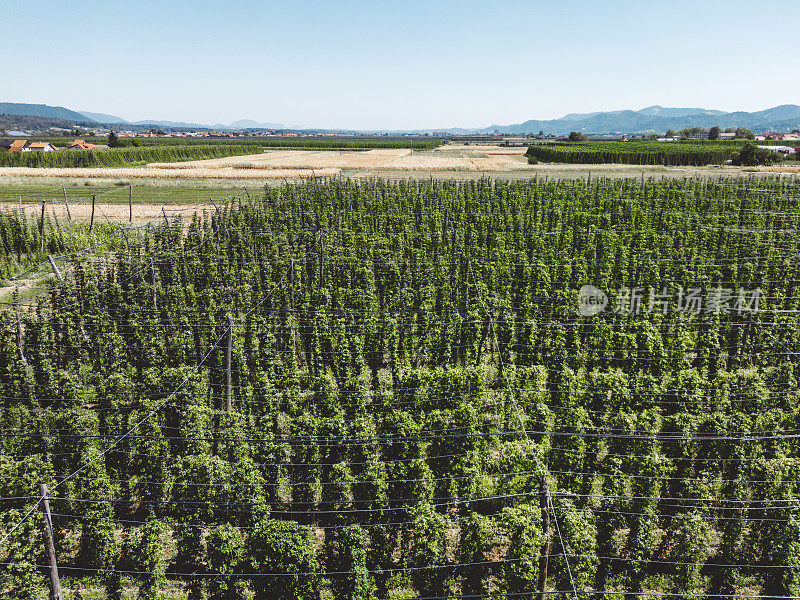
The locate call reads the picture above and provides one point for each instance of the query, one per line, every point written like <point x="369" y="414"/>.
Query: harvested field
<point x="272" y="167"/>
<point x="781" y="169"/>
<point x="484" y="148"/>
<point x="451" y="158"/>
<point x="297" y="159"/>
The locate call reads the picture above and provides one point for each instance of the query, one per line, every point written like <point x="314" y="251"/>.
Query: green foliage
<point x="346" y="550"/>
<point x="122" y="157"/>
<point x="751" y="155"/>
<point x="635" y="153"/>
<point x="478" y="535"/>
<point x="377" y="413"/>
<point x="150" y="560"/>
<point x="691" y="546"/>
<point x="284" y="551"/>
<point x="523" y="527"/>
<point x="429" y="553"/>
<point x="225" y="548"/>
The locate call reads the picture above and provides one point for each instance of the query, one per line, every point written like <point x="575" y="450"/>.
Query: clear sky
<point x="396" y="64"/>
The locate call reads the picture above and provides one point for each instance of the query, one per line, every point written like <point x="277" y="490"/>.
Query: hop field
<point x="335" y="387"/>
<point x="636" y="153"/>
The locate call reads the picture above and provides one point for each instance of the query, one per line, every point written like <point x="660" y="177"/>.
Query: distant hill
<point x="250" y="124"/>
<point x="176" y="124"/>
<point x="32" y="123"/>
<point x="43" y="110"/>
<point x="651" y="119"/>
<point x="102" y="117"/>
<point x="657" y="119"/>
<point x="660" y="111"/>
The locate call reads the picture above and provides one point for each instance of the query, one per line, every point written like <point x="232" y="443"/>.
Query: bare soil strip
<point x="115" y="213"/>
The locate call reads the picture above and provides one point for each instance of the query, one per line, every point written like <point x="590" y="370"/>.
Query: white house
<point x="781" y="149"/>
<point x="39" y="147"/>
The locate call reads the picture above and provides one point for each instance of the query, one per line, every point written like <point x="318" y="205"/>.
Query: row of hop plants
<point x="351" y="144"/>
<point x="322" y="143"/>
<point x="634" y="153"/>
<point x="370" y="392"/>
<point x="122" y="157"/>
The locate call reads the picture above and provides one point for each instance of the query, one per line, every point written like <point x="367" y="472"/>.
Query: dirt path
<point x="111" y="213"/>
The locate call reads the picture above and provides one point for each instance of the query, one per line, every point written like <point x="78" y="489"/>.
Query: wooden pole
<point x="228" y="365"/>
<point x="746" y="335"/>
<point x="130" y="203"/>
<point x="321" y="258"/>
<point x="66" y="202"/>
<point x="91" y="220"/>
<point x="291" y="283"/>
<point x="166" y="220"/>
<point x="55" y="582"/>
<point x="41" y="227"/>
<point x="19" y="341"/>
<point x="55" y="268"/>
<point x="153" y="271"/>
<point x="544" y="505"/>
<point x="485" y="331"/>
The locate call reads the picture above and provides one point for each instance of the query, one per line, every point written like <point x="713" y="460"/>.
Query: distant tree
<point x="671" y="133"/>
<point x="113" y="140"/>
<point x="541" y="133"/>
<point x="795" y="130"/>
<point x="713" y="133"/>
<point x="744" y="132"/>
<point x="751" y="155"/>
<point x="730" y="130"/>
<point x="577" y="136"/>
<point x="691" y="131"/>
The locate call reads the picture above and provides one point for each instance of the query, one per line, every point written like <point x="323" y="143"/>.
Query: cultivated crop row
<point x="390" y="389"/>
<point x="635" y="153"/>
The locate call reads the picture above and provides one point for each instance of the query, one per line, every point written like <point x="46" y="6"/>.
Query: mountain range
<point x="657" y="119"/>
<point x="646" y="120"/>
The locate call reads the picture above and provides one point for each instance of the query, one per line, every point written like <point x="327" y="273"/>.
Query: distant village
<point x="23" y="144"/>
<point x="26" y="146"/>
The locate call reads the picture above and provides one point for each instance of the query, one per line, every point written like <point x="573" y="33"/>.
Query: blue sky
<point x="410" y="64"/>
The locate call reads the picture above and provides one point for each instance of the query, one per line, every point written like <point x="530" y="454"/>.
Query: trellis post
<point x="544" y="505"/>
<point x="228" y="352"/>
<point x="50" y="549"/>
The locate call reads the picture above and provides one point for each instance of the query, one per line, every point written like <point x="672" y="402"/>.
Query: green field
<point x="123" y="157"/>
<point x="321" y="143"/>
<point x="636" y="153"/>
<point x="408" y="362"/>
